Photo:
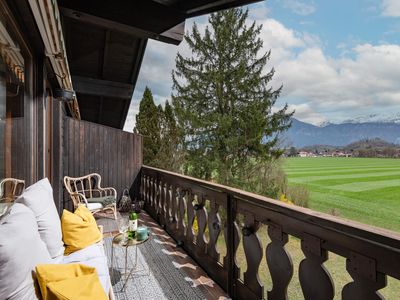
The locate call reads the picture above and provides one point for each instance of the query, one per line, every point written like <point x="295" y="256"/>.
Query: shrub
<point x="298" y="195"/>
<point x="264" y="178"/>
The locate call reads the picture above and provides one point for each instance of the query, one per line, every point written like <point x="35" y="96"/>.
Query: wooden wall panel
<point x="114" y="154"/>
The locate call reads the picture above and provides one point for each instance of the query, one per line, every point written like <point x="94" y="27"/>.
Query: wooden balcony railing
<point x="196" y="212"/>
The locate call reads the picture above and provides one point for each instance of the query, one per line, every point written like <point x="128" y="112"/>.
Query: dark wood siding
<point x="115" y="154"/>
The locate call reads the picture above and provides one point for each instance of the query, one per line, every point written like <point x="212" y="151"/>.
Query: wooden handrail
<point x="371" y="252"/>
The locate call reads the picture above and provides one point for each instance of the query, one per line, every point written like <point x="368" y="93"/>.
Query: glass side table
<point x="120" y="241"/>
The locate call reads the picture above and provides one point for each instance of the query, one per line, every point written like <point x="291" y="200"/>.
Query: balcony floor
<point x="173" y="274"/>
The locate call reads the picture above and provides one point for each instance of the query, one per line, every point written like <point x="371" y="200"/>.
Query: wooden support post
<point x="230" y="245"/>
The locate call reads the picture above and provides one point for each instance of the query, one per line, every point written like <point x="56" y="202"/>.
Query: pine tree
<point x="171" y="155"/>
<point x="223" y="102"/>
<point x="147" y="124"/>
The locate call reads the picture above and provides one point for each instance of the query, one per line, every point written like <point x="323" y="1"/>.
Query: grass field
<point x="362" y="189"/>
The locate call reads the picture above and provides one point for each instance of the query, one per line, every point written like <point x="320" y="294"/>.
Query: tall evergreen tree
<point x="170" y="156"/>
<point x="223" y="101"/>
<point x="147" y="124"/>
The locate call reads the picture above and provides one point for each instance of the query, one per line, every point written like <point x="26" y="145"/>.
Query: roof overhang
<point x="106" y="40"/>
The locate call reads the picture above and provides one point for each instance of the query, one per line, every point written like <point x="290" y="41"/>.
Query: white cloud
<point x="391" y="8"/>
<point x="299" y="7"/>
<point x="275" y="34"/>
<point x="258" y="11"/>
<point x="338" y="88"/>
<point x="307" y="114"/>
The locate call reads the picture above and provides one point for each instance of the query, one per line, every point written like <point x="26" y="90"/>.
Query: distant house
<point x="338" y="153"/>
<point x="306" y="154"/>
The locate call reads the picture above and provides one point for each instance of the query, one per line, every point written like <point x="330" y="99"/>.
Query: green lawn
<point x="362" y="189"/>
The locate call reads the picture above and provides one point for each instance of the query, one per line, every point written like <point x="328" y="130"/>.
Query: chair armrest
<point x="109" y="191"/>
<point x="80" y="197"/>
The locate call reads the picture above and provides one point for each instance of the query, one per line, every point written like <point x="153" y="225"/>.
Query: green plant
<point x="298" y="195"/>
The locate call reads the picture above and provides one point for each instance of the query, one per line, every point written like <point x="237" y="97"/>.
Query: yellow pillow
<point x="79" y="229"/>
<point x="69" y="282"/>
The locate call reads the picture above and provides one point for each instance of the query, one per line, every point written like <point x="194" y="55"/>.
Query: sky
<point x="337" y="60"/>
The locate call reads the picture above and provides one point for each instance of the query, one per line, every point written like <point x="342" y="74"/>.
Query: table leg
<point x="126" y="261"/>
<point x="133" y="269"/>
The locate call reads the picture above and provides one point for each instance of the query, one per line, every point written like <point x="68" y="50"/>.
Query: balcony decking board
<point x="181" y="260"/>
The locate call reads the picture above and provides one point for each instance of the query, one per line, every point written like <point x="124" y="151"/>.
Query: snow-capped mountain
<point x="375" y="118"/>
<point x="303" y="134"/>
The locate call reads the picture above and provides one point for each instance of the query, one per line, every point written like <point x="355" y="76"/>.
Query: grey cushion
<point x="39" y="198"/>
<point x="21" y="249"/>
<point x="103" y="200"/>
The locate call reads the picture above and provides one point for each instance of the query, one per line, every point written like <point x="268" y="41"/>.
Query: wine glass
<point x="123" y="225"/>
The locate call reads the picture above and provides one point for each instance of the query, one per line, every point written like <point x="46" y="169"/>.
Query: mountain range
<point x="303" y="134"/>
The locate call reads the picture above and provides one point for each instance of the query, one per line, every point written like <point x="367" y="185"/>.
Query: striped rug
<point x="164" y="282"/>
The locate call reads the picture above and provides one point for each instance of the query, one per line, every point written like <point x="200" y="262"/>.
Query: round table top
<point x="119" y="240"/>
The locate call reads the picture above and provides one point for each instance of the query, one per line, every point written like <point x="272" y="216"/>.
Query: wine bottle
<point x="133" y="222"/>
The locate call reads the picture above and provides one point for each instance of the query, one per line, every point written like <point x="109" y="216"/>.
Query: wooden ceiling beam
<point x="195" y="8"/>
<point x="171" y="36"/>
<point x="104" y="88"/>
<point x="149" y="16"/>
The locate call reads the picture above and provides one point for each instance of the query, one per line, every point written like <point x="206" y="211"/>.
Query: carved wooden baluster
<point x="149" y="195"/>
<point x="168" y="204"/>
<point x="157" y="191"/>
<point x="214" y="229"/>
<point x="148" y="188"/>
<point x="279" y="263"/>
<point x="236" y="239"/>
<point x="154" y="195"/>
<point x="367" y="281"/>
<point x="161" y="212"/>
<point x="190" y="217"/>
<point x="181" y="215"/>
<point x="201" y="214"/>
<point x="142" y="188"/>
<point x="253" y="251"/>
<point x="152" y="202"/>
<point x="152" y="199"/>
<point x="316" y="283"/>
<point x="148" y="200"/>
<point x="174" y="207"/>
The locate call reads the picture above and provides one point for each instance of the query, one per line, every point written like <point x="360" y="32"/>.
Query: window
<point x="15" y="126"/>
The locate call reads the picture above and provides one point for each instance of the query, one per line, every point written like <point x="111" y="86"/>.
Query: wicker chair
<point x="11" y="189"/>
<point x="87" y="190"/>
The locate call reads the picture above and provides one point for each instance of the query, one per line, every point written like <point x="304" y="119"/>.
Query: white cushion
<point x="21" y="249"/>
<point x="39" y="198"/>
<point x="95" y="257"/>
<point x="94" y="206"/>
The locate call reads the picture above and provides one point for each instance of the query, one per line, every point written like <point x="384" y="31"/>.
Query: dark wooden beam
<point x="201" y="7"/>
<point x="105" y="88"/>
<point x="146" y="15"/>
<point x="171" y="36"/>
